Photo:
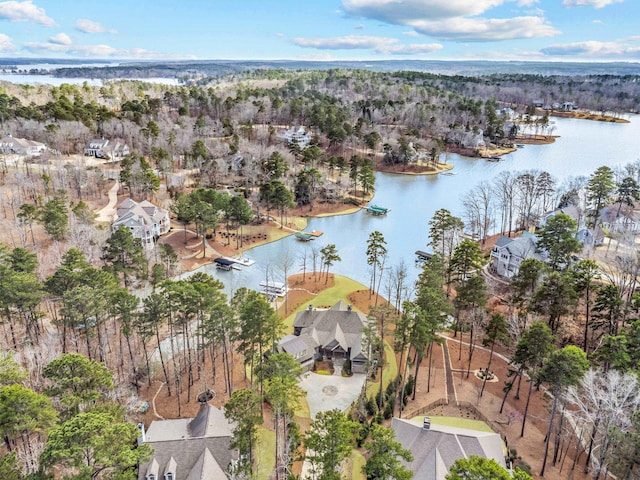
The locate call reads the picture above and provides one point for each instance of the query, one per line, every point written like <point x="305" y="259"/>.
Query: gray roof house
<point x="144" y="219"/>
<point x="189" y="448"/>
<point x="103" y="148"/>
<point x="302" y="348"/>
<point x="436" y="448"/>
<point x="337" y="334"/>
<point x="508" y="253"/>
<point x="297" y="135"/>
<point x="21" y="146"/>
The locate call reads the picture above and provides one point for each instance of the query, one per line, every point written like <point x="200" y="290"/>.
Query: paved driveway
<point x="327" y="392"/>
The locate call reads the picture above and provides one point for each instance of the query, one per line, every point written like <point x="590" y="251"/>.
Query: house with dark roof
<point x="189" y="448"/>
<point x="337" y="334"/>
<point x="107" y="149"/>
<point x="302" y="348"/>
<point x="435" y="448"/>
<point x="145" y="220"/>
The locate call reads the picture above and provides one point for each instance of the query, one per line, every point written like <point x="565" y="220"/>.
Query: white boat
<point x="274" y="288"/>
<point x="247" y="262"/>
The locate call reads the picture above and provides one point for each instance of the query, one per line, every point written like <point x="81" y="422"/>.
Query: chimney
<point x="348" y="308"/>
<point x="142" y="438"/>
<point x="426" y="424"/>
<point x="310" y="308"/>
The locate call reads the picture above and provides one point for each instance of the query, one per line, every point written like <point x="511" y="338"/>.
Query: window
<point x="168" y="476"/>
<point x="151" y="476"/>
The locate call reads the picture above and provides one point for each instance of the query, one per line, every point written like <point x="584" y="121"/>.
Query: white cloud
<point x="486" y="29"/>
<point x="98" y="51"/>
<point x="411" y="33"/>
<point x="594" y="50"/>
<point x="383" y="45"/>
<point x="26" y="11"/>
<point x="89" y="26"/>
<point x="590" y="3"/>
<point x="61" y="39"/>
<point x="393" y="11"/>
<point x="6" y="44"/>
<point x="458" y="20"/>
<point x="597" y="22"/>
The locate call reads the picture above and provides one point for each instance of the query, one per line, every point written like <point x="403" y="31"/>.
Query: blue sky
<point x="552" y="30"/>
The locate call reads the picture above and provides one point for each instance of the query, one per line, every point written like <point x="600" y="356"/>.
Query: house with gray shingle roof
<point x="145" y="220"/>
<point x="508" y="253"/>
<point x="21" y="146"/>
<point x="107" y="149"/>
<point x="189" y="448"/>
<point x="337" y="334"/>
<point x="436" y="448"/>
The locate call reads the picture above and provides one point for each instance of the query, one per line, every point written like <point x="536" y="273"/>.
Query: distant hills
<point x="175" y="69"/>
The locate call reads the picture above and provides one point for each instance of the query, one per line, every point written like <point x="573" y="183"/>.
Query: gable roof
<point x="191" y="448"/>
<point x="133" y="214"/>
<point x="435" y="450"/>
<point x="337" y="327"/>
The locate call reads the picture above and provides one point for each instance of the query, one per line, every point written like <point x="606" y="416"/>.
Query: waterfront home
<point x="435" y="448"/>
<point x="302" y="348"/>
<point x="145" y="220"/>
<point x="336" y="333"/>
<point x="107" y="149"/>
<point x="614" y="219"/>
<point x="189" y="448"/>
<point x="10" y="145"/>
<point x="508" y="253"/>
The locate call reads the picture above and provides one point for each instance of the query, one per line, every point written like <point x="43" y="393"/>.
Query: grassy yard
<point x="457" y="422"/>
<point x="327" y="298"/>
<point x="357" y="462"/>
<point x="265" y="453"/>
<point x="389" y="372"/>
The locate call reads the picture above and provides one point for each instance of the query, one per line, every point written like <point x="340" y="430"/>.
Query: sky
<point x="530" y="30"/>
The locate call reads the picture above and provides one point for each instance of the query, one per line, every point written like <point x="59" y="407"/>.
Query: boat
<point x="493" y="158"/>
<point x="520" y="145"/>
<point x="376" y="210"/>
<point x="247" y="262"/>
<point x="449" y="174"/>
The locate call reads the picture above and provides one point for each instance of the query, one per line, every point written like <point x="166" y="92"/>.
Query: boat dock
<point x="304" y="237"/>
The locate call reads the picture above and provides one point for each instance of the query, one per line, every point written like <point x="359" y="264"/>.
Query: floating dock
<point x="377" y="210"/>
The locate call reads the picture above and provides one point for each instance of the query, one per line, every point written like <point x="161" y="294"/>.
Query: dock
<point x="377" y="210"/>
<point x="304" y="237"/>
<point x="247" y="262"/>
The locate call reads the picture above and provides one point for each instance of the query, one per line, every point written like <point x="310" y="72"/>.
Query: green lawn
<point x="342" y="288"/>
<point x="458" y="422"/>
<point x="265" y="453"/>
<point x="389" y="372"/>
<point x="357" y="462"/>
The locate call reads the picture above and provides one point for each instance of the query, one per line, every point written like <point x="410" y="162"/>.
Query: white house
<point x="297" y="135"/>
<point x="144" y="219"/>
<point x="509" y="253"/>
<point x="108" y="149"/>
<point x="21" y="146"/>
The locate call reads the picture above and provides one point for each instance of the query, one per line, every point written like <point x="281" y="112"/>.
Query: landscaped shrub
<point x="323" y="372"/>
<point x="388" y="411"/>
<point x="363" y="433"/>
<point x="346" y="368"/>
<point x="371" y="407"/>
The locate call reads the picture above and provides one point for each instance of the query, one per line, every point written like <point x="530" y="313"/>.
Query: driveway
<point x="327" y="392"/>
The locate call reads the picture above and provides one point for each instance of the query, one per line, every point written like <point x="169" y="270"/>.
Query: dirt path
<point x="451" y="388"/>
<point x="108" y="213"/>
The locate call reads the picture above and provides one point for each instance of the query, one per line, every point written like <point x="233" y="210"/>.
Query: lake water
<point x="582" y="147"/>
<point x="57" y="81"/>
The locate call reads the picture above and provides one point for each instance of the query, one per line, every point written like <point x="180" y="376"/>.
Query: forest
<point x="90" y="318"/>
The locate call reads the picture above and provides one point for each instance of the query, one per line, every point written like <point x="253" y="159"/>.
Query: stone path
<point x="108" y="213"/>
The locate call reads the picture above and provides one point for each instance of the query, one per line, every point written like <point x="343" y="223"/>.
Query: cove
<point x="583" y="146"/>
